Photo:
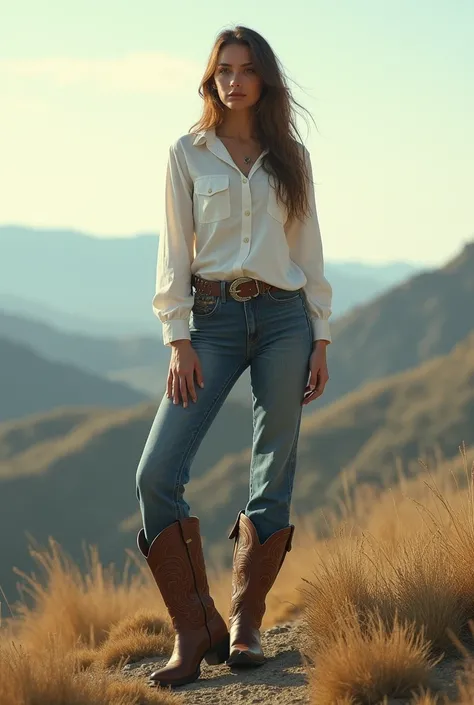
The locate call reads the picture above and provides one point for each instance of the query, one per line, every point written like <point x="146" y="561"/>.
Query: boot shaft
<point x="175" y="558"/>
<point x="255" y="568"/>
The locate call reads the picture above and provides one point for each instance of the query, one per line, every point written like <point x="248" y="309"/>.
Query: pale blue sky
<point x="94" y="91"/>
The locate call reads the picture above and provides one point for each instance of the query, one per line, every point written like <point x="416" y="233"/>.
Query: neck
<point x="239" y="125"/>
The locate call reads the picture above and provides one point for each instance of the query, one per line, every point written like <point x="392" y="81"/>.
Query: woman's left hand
<point x="318" y="370"/>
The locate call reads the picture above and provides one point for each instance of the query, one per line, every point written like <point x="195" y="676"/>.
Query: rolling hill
<point x="424" y="316"/>
<point x="403" y="327"/>
<point x="139" y="362"/>
<point x="70" y="473"/>
<point x="29" y="384"/>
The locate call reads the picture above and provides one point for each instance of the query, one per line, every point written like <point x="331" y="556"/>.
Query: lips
<point x="236" y="95"/>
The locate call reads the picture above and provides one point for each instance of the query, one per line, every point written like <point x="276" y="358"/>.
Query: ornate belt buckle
<point x="233" y="289"/>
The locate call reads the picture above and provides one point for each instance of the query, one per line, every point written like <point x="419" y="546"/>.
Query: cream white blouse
<point x="220" y="224"/>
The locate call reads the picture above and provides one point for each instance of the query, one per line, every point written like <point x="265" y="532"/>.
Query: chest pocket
<point x="274" y="208"/>
<point x="212" y="197"/>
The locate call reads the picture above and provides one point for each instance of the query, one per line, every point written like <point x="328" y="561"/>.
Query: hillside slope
<point x="30" y="384"/>
<point x="413" y="322"/>
<point x="71" y="474"/>
<point x="365" y="434"/>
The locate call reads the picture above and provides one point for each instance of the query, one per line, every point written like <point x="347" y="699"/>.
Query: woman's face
<point x="235" y="74"/>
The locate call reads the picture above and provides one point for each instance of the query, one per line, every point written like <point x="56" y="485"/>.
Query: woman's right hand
<point x="183" y="364"/>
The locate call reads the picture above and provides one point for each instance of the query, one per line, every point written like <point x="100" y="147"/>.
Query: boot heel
<point x="219" y="654"/>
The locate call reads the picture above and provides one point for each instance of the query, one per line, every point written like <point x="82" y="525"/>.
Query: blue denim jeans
<point x="270" y="333"/>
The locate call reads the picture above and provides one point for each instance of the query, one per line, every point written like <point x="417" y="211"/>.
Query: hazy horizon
<point x="92" y="99"/>
<point x="127" y="236"/>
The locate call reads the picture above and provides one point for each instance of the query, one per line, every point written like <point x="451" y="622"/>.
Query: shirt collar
<point x="209" y="136"/>
<point x="205" y="136"/>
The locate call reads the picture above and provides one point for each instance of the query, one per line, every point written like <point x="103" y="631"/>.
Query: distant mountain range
<point x="403" y="327"/>
<point x="86" y="302"/>
<point x="105" y="286"/>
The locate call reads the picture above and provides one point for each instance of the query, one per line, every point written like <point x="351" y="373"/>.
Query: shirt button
<point x="247" y="212"/>
<point x="246" y="239"/>
<point x="244" y="181"/>
<point x="209" y="190"/>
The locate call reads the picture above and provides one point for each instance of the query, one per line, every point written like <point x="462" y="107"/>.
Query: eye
<point x="223" y="69"/>
<point x="252" y="70"/>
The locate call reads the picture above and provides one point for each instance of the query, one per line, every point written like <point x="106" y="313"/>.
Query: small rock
<point x="279" y="629"/>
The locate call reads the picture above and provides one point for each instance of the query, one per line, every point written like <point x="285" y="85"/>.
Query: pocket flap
<point x="208" y="185"/>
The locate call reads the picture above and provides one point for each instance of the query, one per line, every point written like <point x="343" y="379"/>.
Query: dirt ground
<point x="280" y="681"/>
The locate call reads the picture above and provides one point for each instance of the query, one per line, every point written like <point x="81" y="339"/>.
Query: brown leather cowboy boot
<point x="255" y="568"/>
<point x="176" y="560"/>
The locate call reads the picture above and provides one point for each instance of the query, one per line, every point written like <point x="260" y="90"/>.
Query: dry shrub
<point x="85" y="657"/>
<point x="52" y="677"/>
<point x="342" y="586"/>
<point x="417" y="574"/>
<point x="79" y="609"/>
<point x="426" y="699"/>
<point x="136" y="637"/>
<point x="454" y="526"/>
<point x="421" y="580"/>
<point x="363" y="664"/>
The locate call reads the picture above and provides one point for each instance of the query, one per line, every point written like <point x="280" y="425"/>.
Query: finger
<point x="317" y="393"/>
<point x="191" y="387"/>
<point x="313" y="379"/>
<point x="199" y="377"/>
<point x="320" y="384"/>
<point x="183" y="389"/>
<point x="169" y="385"/>
<point x="175" y="388"/>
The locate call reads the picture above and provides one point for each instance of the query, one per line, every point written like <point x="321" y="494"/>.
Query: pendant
<point x="247" y="160"/>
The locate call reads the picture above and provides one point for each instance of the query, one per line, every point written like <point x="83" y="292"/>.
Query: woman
<point x="240" y="284"/>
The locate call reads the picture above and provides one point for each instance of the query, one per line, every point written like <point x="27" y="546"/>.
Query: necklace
<point x="248" y="159"/>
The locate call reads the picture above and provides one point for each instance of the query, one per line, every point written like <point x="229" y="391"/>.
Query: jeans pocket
<point x="284" y="295"/>
<point x="205" y="304"/>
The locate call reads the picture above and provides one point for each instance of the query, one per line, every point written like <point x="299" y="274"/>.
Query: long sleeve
<point x="173" y="297"/>
<point x="306" y="250"/>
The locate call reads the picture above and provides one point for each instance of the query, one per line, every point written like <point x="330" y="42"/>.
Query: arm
<point x="173" y="297"/>
<point x="304" y="239"/>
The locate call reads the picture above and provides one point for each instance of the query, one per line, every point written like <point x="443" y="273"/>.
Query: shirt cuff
<point x="321" y="329"/>
<point x="177" y="329"/>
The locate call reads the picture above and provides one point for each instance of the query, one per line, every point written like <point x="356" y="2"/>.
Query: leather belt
<point x="241" y="289"/>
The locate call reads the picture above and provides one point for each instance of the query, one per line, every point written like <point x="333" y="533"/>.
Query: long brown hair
<point x="275" y="113"/>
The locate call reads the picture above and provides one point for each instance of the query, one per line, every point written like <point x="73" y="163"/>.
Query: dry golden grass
<point x="426" y="699"/>
<point x="136" y="637"/>
<point x="424" y="590"/>
<point x="419" y="575"/>
<point x="52" y="677"/>
<point x="67" y="647"/>
<point x="80" y="609"/>
<point x="380" y="599"/>
<point x="365" y="662"/>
